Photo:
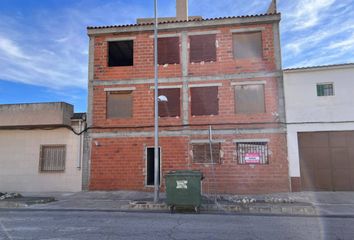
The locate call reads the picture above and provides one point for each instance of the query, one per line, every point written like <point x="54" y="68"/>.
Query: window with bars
<point x="52" y="158"/>
<point x="252" y="153"/>
<point x="119" y="104"/>
<point x="201" y="152"/>
<point x="325" y="89"/>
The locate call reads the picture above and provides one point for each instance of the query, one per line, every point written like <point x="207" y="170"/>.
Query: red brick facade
<point x="118" y="159"/>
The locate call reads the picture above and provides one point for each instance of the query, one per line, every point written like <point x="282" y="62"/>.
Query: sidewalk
<point x="302" y="203"/>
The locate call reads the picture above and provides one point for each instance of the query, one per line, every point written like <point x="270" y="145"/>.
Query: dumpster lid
<point x="185" y="173"/>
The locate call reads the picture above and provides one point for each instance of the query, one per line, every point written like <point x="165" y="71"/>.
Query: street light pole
<point x="156" y="148"/>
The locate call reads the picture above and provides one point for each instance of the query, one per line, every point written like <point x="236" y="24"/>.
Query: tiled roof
<point x="184" y="21"/>
<point x="320" y="66"/>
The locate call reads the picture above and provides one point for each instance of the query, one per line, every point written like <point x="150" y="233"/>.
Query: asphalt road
<point x="118" y="225"/>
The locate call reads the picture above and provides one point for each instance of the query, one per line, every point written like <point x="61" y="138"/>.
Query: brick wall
<point x="119" y="163"/>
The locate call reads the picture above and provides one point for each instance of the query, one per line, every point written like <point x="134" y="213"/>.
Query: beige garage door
<point x="327" y="161"/>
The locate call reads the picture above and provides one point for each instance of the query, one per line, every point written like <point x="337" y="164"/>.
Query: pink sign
<point x="252" y="158"/>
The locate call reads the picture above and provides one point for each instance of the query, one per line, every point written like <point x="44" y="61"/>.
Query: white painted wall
<point x="19" y="161"/>
<point x="303" y="105"/>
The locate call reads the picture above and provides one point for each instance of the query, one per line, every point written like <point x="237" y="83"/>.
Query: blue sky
<point x="44" y="46"/>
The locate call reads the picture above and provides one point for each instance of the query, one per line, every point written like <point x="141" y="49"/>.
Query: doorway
<point x="150" y="166"/>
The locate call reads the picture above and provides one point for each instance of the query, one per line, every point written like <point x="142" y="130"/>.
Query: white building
<point x="320" y="117"/>
<point x="39" y="152"/>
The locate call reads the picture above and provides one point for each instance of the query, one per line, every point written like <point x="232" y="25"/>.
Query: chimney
<point x="272" y="7"/>
<point x="182" y="10"/>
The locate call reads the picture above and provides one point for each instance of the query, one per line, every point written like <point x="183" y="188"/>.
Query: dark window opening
<point x="202" y="48"/>
<point x="119" y="104"/>
<point x="325" y="89"/>
<point x="168" y="50"/>
<point x="249" y="99"/>
<point x="201" y="152"/>
<point x="172" y="107"/>
<point x="52" y="158"/>
<point x="248" y="45"/>
<point x="204" y="101"/>
<point x="120" y="53"/>
<point x="252" y="153"/>
<point x="150" y="166"/>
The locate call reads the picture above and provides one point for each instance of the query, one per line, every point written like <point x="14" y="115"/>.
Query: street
<point x="121" y="225"/>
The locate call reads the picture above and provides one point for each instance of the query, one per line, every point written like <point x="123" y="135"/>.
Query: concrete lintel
<point x="207" y="141"/>
<point x="186" y="133"/>
<point x="113" y="39"/>
<point x="166" y="35"/>
<point x="186" y="25"/>
<point x="242" y="30"/>
<point x="189" y="79"/>
<point x="120" y="89"/>
<point x="167" y="87"/>
<point x="250" y="140"/>
<point x="204" y="32"/>
<point x="247" y="83"/>
<point x="206" y="85"/>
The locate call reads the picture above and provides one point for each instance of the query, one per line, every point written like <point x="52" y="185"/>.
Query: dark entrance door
<point x="150" y="166"/>
<point x="327" y="161"/>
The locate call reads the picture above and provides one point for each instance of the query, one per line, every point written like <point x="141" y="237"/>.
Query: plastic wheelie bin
<point x="183" y="189"/>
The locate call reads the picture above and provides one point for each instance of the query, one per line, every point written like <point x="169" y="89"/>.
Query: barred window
<point x="252" y="153"/>
<point x="201" y="152"/>
<point x="325" y="89"/>
<point x="52" y="158"/>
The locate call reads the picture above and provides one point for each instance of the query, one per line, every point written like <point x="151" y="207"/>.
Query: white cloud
<point x="343" y="45"/>
<point x="10" y="49"/>
<point x="54" y="53"/>
<point x="309" y="13"/>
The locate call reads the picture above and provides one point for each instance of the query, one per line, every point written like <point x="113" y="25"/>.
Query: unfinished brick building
<point x="222" y="74"/>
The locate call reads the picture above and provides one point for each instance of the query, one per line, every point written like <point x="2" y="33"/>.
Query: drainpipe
<point x="80" y="149"/>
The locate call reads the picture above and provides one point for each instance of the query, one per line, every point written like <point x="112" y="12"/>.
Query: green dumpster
<point x="183" y="189"/>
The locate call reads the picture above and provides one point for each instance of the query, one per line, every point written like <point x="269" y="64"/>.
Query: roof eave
<point x="91" y="31"/>
<point x="319" y="68"/>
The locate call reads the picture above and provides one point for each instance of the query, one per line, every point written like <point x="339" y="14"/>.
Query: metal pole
<point x="156" y="149"/>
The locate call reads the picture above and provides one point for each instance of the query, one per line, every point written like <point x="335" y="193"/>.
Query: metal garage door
<point x="327" y="161"/>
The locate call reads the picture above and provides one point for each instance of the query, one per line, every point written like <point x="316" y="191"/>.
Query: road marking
<point x="5" y="230"/>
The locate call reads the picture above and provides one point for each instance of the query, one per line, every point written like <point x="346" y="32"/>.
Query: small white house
<point x="320" y="127"/>
<point x="39" y="152"/>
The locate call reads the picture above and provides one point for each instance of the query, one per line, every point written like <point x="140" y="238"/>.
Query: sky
<point x="44" y="44"/>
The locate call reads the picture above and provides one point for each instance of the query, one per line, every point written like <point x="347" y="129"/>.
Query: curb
<point x="293" y="209"/>
<point x="167" y="212"/>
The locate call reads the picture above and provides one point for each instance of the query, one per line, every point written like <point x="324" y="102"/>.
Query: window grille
<point x="201" y="152"/>
<point x="52" y="158"/>
<point x="325" y="89"/>
<point x="252" y="153"/>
